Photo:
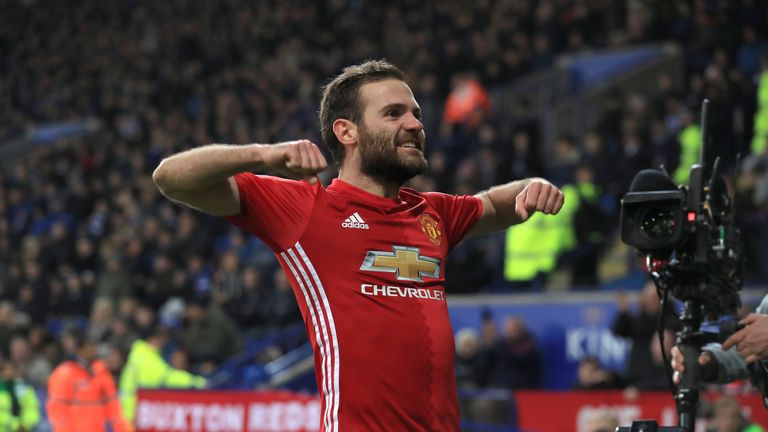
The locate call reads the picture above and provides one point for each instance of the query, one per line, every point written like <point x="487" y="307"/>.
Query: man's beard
<point x="381" y="160"/>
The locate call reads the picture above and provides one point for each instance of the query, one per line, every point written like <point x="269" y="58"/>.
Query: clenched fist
<point x="538" y="195"/>
<point x="300" y="159"/>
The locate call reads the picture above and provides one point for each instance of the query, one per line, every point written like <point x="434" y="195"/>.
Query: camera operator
<point x="742" y="355"/>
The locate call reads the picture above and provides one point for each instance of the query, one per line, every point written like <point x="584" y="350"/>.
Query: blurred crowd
<point x="510" y="357"/>
<point x="84" y="232"/>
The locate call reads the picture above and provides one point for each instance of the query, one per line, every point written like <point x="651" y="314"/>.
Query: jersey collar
<point x="343" y="188"/>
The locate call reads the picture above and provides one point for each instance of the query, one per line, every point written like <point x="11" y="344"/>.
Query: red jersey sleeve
<point x="458" y="213"/>
<point x="274" y="209"/>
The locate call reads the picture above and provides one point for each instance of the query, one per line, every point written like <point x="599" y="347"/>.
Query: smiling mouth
<point x="410" y="144"/>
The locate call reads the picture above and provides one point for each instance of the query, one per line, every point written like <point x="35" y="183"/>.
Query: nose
<point x="412" y="123"/>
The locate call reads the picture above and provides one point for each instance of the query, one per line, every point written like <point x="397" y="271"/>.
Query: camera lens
<point x="658" y="223"/>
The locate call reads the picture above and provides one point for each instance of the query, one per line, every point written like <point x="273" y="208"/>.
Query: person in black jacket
<point x="640" y="328"/>
<point x="515" y="360"/>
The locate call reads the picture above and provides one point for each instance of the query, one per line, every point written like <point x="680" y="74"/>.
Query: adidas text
<point x="347" y="224"/>
<point x="354" y="221"/>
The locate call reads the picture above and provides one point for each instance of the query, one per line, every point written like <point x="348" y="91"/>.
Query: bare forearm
<point x="502" y="198"/>
<point x="202" y="167"/>
<point x="514" y="202"/>
<point x="202" y="178"/>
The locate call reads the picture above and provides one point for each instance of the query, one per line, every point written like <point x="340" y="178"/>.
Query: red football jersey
<point x="368" y="273"/>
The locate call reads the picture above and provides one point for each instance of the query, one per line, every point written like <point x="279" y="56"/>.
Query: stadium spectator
<point x="639" y="327"/>
<point x="82" y="395"/>
<point x="160" y="286"/>
<point x="114" y="282"/>
<point x="43" y="352"/>
<point x="591" y="375"/>
<point x="19" y="407"/>
<point x="469" y="365"/>
<point x="280" y="302"/>
<point x="728" y="417"/>
<point x="121" y="334"/>
<point x="209" y="335"/>
<point x="146" y="369"/>
<point x="566" y="157"/>
<point x="584" y="226"/>
<point x="115" y="358"/>
<point x="31" y="366"/>
<point x="249" y="308"/>
<point x="30" y="305"/>
<point x="179" y="359"/>
<point x="74" y="296"/>
<point x="655" y="377"/>
<point x="523" y="158"/>
<point x="515" y="361"/>
<point x="227" y="280"/>
<point x="602" y="420"/>
<point x="467" y="103"/>
<point x="760" y="137"/>
<point x="690" y="147"/>
<point x="597" y="157"/>
<point x="144" y="318"/>
<point x="9" y="324"/>
<point x="100" y="321"/>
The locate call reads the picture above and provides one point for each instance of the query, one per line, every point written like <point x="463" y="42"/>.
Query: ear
<point x="345" y="131"/>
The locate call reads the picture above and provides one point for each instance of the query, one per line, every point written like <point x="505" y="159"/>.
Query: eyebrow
<point x="401" y="106"/>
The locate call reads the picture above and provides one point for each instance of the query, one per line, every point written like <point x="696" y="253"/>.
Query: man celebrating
<point x="365" y="256"/>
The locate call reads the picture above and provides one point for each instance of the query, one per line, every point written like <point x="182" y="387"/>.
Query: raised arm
<point x="202" y="177"/>
<point x="514" y="202"/>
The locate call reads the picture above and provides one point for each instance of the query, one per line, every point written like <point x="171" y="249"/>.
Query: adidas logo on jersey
<point x="355" y="221"/>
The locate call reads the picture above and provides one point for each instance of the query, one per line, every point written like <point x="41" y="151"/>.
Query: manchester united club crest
<point x="431" y="229"/>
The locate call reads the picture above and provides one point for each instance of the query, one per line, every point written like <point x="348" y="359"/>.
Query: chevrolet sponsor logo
<point x="396" y="291"/>
<point x="405" y="262"/>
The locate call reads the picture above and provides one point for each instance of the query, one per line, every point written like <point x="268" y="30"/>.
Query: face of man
<point x="89" y="351"/>
<point x="728" y="419"/>
<point x="9" y="371"/>
<point x="391" y="135"/>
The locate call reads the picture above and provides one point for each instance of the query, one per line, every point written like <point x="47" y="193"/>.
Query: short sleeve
<point x="274" y="209"/>
<point x="459" y="214"/>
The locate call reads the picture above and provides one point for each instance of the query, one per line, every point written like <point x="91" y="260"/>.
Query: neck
<point x="369" y="184"/>
<point x="84" y="361"/>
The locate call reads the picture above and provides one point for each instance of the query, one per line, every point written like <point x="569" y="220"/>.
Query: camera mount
<point x="692" y="250"/>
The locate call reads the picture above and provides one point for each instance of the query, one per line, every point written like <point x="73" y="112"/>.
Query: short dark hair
<point x="77" y="334"/>
<point x="341" y="99"/>
<point x="154" y="331"/>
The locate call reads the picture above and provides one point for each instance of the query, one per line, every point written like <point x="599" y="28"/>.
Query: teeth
<point x="409" y="144"/>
